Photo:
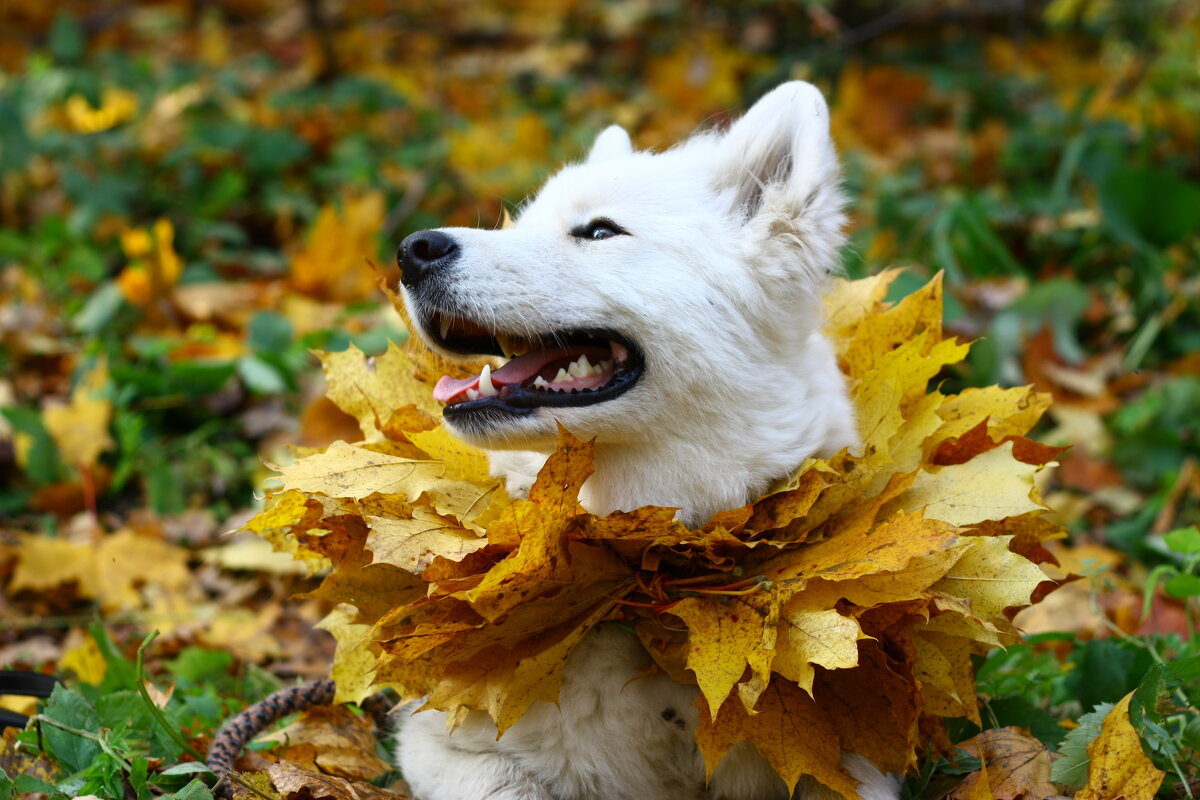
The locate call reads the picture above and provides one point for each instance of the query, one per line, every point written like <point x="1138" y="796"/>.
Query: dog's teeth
<point x="580" y="367"/>
<point x="513" y="346"/>
<point x="562" y="376"/>
<point x="444" y="327"/>
<point x="486" y="389"/>
<point x="472" y="394"/>
<point x="602" y="367"/>
<point x="540" y="383"/>
<point x="620" y="353"/>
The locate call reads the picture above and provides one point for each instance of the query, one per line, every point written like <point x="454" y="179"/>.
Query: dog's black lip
<point x="514" y="400"/>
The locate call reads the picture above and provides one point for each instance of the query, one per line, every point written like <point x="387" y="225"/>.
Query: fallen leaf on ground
<point x="343" y="742"/>
<point x="1015" y="766"/>
<point x="1119" y="767"/>
<point x="296" y="783"/>
<point x="111" y="571"/>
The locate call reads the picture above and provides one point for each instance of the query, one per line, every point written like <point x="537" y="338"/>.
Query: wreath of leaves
<point x="839" y="611"/>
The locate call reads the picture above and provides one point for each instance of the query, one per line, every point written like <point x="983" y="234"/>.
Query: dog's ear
<point x="779" y="158"/>
<point x="613" y="141"/>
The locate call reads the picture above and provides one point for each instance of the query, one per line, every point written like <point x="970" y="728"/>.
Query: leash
<point x="243" y="727"/>
<point x="233" y="735"/>
<point x="25" y="684"/>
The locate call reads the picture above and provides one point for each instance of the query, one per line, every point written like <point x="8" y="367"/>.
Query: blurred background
<point x="190" y="194"/>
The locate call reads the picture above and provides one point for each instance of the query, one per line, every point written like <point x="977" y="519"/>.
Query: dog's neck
<point x="676" y="476"/>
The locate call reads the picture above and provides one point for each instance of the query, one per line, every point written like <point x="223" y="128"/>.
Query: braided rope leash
<point x="234" y="734"/>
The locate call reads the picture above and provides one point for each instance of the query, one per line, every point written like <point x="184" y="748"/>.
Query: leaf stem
<point x="727" y="592"/>
<point x="655" y="606"/>
<point x="1183" y="781"/>
<point x="98" y="738"/>
<point x="155" y="711"/>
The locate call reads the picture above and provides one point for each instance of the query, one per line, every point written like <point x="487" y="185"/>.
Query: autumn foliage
<point x="840" y="611"/>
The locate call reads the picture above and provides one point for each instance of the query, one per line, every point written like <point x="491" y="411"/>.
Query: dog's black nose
<point x="423" y="252"/>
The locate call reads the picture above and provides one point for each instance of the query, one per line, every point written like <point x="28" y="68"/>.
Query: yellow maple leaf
<point x="790" y="730"/>
<point x="285" y="512"/>
<point x="412" y="542"/>
<point x="332" y="263"/>
<point x="1010" y="412"/>
<point x="1118" y="766"/>
<point x="944" y="670"/>
<point x="354" y="472"/>
<point x="991" y="577"/>
<point x="110" y="571"/>
<point x="372" y="388"/>
<point x="80" y="428"/>
<point x="462" y="460"/>
<point x="823" y="637"/>
<point x="724" y="637"/>
<point x="84" y="661"/>
<point x="355" y="663"/>
<point x="992" y="485"/>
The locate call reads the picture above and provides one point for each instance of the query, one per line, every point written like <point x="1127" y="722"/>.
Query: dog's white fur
<point x="733" y="236"/>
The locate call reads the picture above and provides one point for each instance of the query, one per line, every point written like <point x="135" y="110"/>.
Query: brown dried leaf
<point x="1016" y="766"/>
<point x="343" y="742"/>
<point x="296" y="783"/>
<point x="790" y="730"/>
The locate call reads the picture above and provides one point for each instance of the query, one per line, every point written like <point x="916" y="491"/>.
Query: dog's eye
<point x="598" y="229"/>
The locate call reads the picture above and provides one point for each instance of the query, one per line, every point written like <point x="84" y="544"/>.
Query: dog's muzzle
<point x="555" y="368"/>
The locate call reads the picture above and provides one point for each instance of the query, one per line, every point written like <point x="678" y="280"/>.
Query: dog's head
<point x="639" y="294"/>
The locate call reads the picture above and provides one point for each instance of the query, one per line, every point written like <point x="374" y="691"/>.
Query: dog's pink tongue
<point x="521" y="368"/>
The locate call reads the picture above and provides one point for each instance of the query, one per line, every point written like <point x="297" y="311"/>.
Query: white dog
<point x="668" y="305"/>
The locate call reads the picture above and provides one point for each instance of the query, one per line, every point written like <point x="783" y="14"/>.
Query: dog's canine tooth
<point x="444" y="320"/>
<point x="620" y="353"/>
<point x="486" y="388"/>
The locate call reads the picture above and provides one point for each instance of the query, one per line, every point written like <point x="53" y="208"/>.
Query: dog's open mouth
<point x="558" y="369"/>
